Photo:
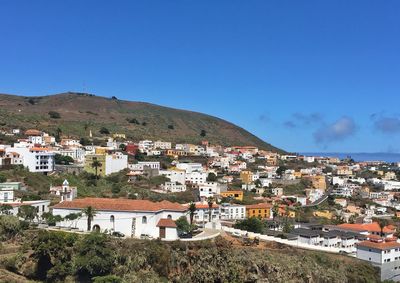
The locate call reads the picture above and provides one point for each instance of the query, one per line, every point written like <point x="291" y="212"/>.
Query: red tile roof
<point x="372" y="227"/>
<point x="166" y="222"/>
<point x="32" y="132"/>
<point x="120" y="205"/>
<point x="380" y="246"/>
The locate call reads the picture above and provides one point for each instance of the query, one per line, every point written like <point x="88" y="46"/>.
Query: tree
<point x="95" y="256"/>
<point x="96" y="164"/>
<point x="10" y="226"/>
<point x="210" y="202"/>
<point x="54" y="115"/>
<point x="107" y="279"/>
<point x="171" y="127"/>
<point x="122" y="147"/>
<point x="203" y="133"/>
<point x="192" y="211"/>
<point x="90" y="213"/>
<point x="3" y="178"/>
<point x="104" y="131"/>
<point x="281" y="170"/>
<point x="58" y="134"/>
<point x="275" y="211"/>
<point x="258" y="183"/>
<point x="6" y="209"/>
<point x="252" y="224"/>
<point x="182" y="224"/>
<point x="64" y="160"/>
<point x="51" y="219"/>
<point x="211" y="177"/>
<point x="27" y="212"/>
<point x="382" y="224"/>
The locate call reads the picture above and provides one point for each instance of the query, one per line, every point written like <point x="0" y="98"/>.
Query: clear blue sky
<point x="302" y="75"/>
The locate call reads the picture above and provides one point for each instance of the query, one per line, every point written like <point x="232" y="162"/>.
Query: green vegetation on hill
<point x="75" y="114"/>
<point x="66" y="257"/>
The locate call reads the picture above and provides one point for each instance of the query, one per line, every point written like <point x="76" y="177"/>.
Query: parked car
<point x="236" y="234"/>
<point x="118" y="234"/>
<point x="145" y="237"/>
<point x="185" y="235"/>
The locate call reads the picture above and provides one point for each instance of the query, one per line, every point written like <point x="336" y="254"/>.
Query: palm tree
<point x="96" y="164"/>
<point x="192" y="210"/>
<point x="90" y="213"/>
<point x="382" y="224"/>
<point x="210" y="202"/>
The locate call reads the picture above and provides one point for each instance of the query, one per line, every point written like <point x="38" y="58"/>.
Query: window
<point x="169" y="216"/>
<point x="144" y="220"/>
<point x="112" y="218"/>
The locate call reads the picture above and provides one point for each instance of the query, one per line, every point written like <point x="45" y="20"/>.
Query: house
<point x="369" y="229"/>
<point x="308" y="236"/>
<point x="202" y="213"/>
<point x="109" y="163"/>
<point x="35" y="159"/>
<point x="237" y="195"/>
<point x="133" y="218"/>
<point x="246" y="177"/>
<point x="261" y="210"/>
<point x="211" y="189"/>
<point x="162" y="145"/>
<point x="383" y="254"/>
<point x="277" y="191"/>
<point x="232" y="211"/>
<point x="66" y="192"/>
<point x="173" y="187"/>
<point x="175" y="175"/>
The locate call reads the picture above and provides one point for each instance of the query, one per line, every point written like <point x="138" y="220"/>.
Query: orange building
<point x="261" y="210"/>
<point x="246" y="177"/>
<point x="237" y="195"/>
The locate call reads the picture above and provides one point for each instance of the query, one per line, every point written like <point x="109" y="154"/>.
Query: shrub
<point x="54" y="115"/>
<point x="104" y="131"/>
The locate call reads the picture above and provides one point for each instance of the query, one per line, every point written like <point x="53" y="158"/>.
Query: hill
<point x="78" y="113"/>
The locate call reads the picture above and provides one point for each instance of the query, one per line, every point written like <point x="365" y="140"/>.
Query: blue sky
<point x="302" y="75"/>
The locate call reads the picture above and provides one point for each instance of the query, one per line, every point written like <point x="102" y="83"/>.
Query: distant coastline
<point x="386" y="157"/>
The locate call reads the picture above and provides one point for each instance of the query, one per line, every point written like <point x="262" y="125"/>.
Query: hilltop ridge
<point x="80" y="112"/>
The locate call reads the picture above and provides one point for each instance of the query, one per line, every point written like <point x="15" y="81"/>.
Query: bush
<point x="54" y="115"/>
<point x="171" y="127"/>
<point x="107" y="279"/>
<point x="104" y="131"/>
<point x="251" y="225"/>
<point x="10" y="226"/>
<point x="3" y="178"/>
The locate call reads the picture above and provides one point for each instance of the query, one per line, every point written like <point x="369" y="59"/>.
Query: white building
<point x="385" y="255"/>
<point x="162" y="145"/>
<point x="115" y="162"/>
<point x="232" y="212"/>
<point x="133" y="218"/>
<point x="145" y="145"/>
<point x="176" y="176"/>
<point x="173" y="187"/>
<point x="36" y="159"/>
<point x="76" y="153"/>
<point x="202" y="215"/>
<point x="66" y="192"/>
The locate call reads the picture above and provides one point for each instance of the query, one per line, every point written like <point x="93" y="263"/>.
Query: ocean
<point x="386" y="157"/>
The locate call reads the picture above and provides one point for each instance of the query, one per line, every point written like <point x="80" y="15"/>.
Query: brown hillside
<point x="83" y="112"/>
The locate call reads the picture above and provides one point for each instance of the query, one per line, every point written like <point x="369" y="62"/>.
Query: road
<point x="321" y="200"/>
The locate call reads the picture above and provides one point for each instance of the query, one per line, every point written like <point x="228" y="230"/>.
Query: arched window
<point x="169" y="216"/>
<point x="112" y="218"/>
<point x="144" y="220"/>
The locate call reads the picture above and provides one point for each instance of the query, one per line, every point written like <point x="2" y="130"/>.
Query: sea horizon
<point x="359" y="156"/>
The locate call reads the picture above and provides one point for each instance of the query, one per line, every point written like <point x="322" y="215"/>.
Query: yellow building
<point x="261" y="210"/>
<point x="298" y="175"/>
<point x="121" y="136"/>
<point x="284" y="212"/>
<point x="101" y="150"/>
<point x="246" y="177"/>
<point x="318" y="182"/>
<point x="237" y="195"/>
<point x="101" y="169"/>
<point x="324" y="214"/>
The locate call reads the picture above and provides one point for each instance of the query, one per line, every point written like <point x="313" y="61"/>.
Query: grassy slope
<point x="81" y="113"/>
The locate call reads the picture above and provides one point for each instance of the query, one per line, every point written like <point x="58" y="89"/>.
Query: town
<point x="152" y="189"/>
